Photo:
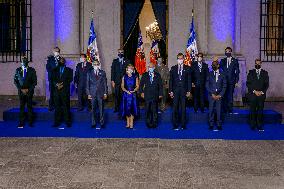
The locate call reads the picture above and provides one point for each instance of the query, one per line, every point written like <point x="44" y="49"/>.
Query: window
<point x="15" y="30"/>
<point x="272" y="30"/>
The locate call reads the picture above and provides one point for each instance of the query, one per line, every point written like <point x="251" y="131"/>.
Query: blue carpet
<point x="117" y="130"/>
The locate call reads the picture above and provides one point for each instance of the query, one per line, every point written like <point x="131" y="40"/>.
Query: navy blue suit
<point x="97" y="87"/>
<point x="80" y="79"/>
<point x="180" y="86"/>
<point x="232" y="75"/>
<point x="199" y="79"/>
<point x="218" y="88"/>
<point x="51" y="64"/>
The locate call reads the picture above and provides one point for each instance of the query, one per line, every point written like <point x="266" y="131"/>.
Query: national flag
<point x="154" y="52"/>
<point x="191" y="48"/>
<point x="92" y="51"/>
<point x="140" y="60"/>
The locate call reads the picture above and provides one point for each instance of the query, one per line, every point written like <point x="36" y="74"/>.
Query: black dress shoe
<point x="56" y="125"/>
<point x="50" y="109"/>
<point x="68" y="125"/>
<point x="94" y="126"/>
<point x="211" y="127"/>
<point x="219" y="127"/>
<point x="260" y="128"/>
<point x="102" y="125"/>
<point x="175" y="128"/>
<point x="20" y="126"/>
<point x="183" y="127"/>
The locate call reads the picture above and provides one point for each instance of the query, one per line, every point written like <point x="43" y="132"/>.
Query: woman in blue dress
<point x="129" y="105"/>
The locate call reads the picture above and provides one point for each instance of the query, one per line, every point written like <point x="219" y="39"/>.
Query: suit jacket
<point x="50" y="65"/>
<point x="66" y="78"/>
<point x="153" y="90"/>
<point x="253" y="83"/>
<point x="118" y="70"/>
<point x="219" y="87"/>
<point x="29" y="82"/>
<point x="184" y="83"/>
<point x="163" y="70"/>
<point x="232" y="73"/>
<point x="96" y="84"/>
<point x="199" y="78"/>
<point x="80" y="77"/>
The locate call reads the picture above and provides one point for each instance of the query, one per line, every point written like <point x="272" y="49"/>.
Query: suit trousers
<point x="51" y="95"/>
<point x="97" y="108"/>
<point x="229" y="98"/>
<point x="117" y="97"/>
<point x="82" y="98"/>
<point x="62" y="105"/>
<point x="199" y="94"/>
<point x="151" y="107"/>
<point x="179" y="105"/>
<point x="215" y="108"/>
<point x="256" y="110"/>
<point x="26" y="100"/>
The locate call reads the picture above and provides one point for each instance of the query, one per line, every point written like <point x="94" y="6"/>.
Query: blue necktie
<point x="151" y="77"/>
<point x="61" y="71"/>
<point x="25" y="72"/>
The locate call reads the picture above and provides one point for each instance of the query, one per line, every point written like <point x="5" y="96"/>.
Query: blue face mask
<point x="151" y="70"/>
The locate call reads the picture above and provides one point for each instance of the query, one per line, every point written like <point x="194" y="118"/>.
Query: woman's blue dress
<point x="129" y="105"/>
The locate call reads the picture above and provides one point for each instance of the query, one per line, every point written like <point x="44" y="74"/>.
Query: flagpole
<point x="92" y="14"/>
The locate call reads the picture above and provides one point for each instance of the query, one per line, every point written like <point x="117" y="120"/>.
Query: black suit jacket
<point x="199" y="78"/>
<point x="29" y="82"/>
<point x="66" y="78"/>
<point x="80" y="77"/>
<point x="253" y="83"/>
<point x="118" y="70"/>
<point x="153" y="90"/>
<point x="185" y="80"/>
<point x="232" y="73"/>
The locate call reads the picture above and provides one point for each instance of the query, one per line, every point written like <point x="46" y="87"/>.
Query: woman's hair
<point x="129" y="65"/>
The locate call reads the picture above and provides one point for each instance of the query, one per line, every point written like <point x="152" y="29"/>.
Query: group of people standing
<point x="154" y="86"/>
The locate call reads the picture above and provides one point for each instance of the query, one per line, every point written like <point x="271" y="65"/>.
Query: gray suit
<point x="97" y="88"/>
<point x="163" y="70"/>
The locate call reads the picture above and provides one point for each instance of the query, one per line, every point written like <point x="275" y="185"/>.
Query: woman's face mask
<point x="129" y="70"/>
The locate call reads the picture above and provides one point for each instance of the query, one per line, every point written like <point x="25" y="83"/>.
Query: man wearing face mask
<point x="25" y="80"/>
<point x="151" y="89"/>
<point x="163" y="70"/>
<point x="179" y="89"/>
<point x="230" y="67"/>
<point x="118" y="68"/>
<point x="80" y="80"/>
<point x="97" y="91"/>
<point x="257" y="84"/>
<point x="61" y="78"/>
<point x="216" y="85"/>
<point x="199" y="74"/>
<point x="52" y="62"/>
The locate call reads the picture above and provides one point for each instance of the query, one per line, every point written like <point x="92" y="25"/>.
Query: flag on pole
<point x="140" y="60"/>
<point x="191" y="48"/>
<point x="92" y="51"/>
<point x="154" y="52"/>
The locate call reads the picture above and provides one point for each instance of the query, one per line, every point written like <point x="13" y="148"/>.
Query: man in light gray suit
<point x="97" y="91"/>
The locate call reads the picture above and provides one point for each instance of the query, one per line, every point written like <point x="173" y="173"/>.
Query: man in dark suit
<point x="25" y="80"/>
<point x="118" y="68"/>
<point x="97" y="91"/>
<point x="216" y="85"/>
<point x="151" y="89"/>
<point x="179" y="89"/>
<point x="61" y="78"/>
<point x="230" y="67"/>
<point x="80" y="80"/>
<point x="257" y="84"/>
<point x="52" y="62"/>
<point x="199" y="74"/>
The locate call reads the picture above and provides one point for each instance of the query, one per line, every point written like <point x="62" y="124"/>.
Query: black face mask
<point x="228" y="54"/>
<point x="257" y="66"/>
<point x="25" y="63"/>
<point x="120" y="55"/>
<point x="215" y="67"/>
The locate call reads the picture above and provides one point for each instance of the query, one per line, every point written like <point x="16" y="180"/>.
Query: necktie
<point x="61" y="70"/>
<point x="216" y="76"/>
<point x="200" y="66"/>
<point x="151" y="77"/>
<point x="24" y="72"/>
<point x="179" y="72"/>
<point x="228" y="62"/>
<point x="258" y="73"/>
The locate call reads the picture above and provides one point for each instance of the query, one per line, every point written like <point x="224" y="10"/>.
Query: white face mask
<point x="159" y="61"/>
<point x="56" y="53"/>
<point x="180" y="61"/>
<point x="199" y="59"/>
<point x="96" y="67"/>
<point x="82" y="59"/>
<point x="130" y="71"/>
